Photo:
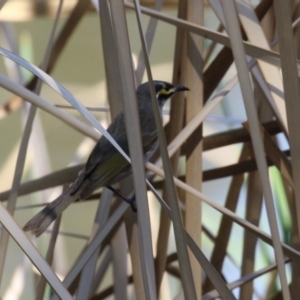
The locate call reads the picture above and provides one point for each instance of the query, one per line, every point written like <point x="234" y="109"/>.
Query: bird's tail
<point x="39" y="223"/>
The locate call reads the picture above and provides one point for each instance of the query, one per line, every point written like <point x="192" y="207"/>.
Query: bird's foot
<point x="130" y="200"/>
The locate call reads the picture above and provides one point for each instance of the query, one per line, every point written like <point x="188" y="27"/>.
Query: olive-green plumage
<point x="105" y="165"/>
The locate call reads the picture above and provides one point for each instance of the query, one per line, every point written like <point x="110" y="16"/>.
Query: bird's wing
<point x="105" y="162"/>
<point x="104" y="148"/>
<point x="109" y="171"/>
<point x="103" y="151"/>
<point x="111" y="168"/>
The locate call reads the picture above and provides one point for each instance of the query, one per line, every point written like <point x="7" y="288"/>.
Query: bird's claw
<point x="130" y="201"/>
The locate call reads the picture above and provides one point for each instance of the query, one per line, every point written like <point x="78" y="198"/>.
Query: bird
<point x="105" y="165"/>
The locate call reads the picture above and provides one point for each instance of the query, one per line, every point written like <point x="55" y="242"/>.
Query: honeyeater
<point x="105" y="165"/>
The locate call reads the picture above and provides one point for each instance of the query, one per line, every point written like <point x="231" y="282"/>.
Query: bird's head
<point x="164" y="90"/>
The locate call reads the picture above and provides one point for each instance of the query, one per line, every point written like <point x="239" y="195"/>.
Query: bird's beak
<point x="180" y="88"/>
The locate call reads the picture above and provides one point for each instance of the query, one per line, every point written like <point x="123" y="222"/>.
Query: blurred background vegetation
<point x="220" y="160"/>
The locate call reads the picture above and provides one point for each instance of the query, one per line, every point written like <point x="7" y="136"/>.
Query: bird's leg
<point x="127" y="200"/>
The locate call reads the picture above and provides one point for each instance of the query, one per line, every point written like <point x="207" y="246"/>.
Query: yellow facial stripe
<point x="166" y="92"/>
